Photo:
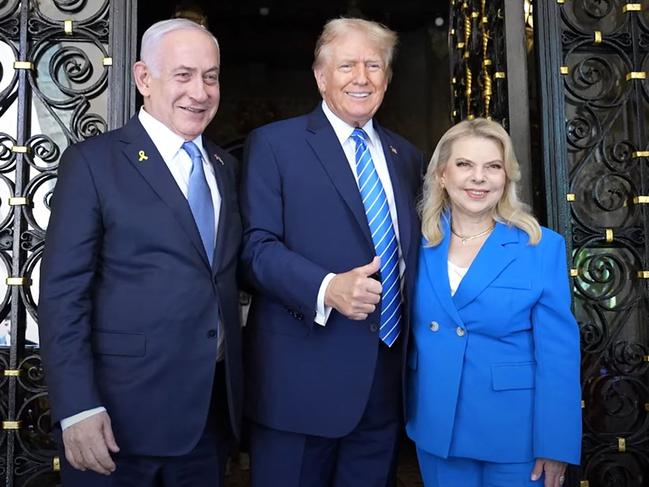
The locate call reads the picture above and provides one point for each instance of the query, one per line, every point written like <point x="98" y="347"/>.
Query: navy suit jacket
<point x="494" y="369"/>
<point x="129" y="304"/>
<point x="303" y="218"/>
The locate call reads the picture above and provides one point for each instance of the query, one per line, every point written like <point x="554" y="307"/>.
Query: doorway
<point x="267" y="51"/>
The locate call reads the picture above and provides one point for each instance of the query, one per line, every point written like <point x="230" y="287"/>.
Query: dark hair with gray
<point x="384" y="39"/>
<point x="151" y="38"/>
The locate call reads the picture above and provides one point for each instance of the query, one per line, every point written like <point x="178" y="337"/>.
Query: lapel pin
<point x="216" y="156"/>
<point x="394" y="151"/>
<point x="142" y="156"/>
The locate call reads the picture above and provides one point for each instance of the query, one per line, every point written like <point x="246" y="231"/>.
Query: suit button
<point x="211" y="334"/>
<point x="374" y="327"/>
<point x="434" y="326"/>
<point x="460" y="331"/>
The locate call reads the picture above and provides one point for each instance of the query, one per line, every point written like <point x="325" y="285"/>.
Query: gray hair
<point x="153" y="35"/>
<point x="384" y="39"/>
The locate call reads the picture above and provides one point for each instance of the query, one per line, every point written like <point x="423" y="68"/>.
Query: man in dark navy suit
<point x="330" y="232"/>
<point x="138" y="305"/>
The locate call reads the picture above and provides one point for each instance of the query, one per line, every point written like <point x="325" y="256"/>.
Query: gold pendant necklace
<point x="465" y="238"/>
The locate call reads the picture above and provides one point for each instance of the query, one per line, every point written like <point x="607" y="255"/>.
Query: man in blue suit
<point x="138" y="301"/>
<point x="330" y="232"/>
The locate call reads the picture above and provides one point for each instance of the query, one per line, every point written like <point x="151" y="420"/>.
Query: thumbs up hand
<point x="355" y="293"/>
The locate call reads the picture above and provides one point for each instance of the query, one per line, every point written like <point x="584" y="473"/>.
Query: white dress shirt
<point x="343" y="133"/>
<point x="169" y="145"/>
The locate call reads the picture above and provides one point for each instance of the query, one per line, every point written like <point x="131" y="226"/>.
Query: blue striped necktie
<point x="383" y="237"/>
<point x="200" y="201"/>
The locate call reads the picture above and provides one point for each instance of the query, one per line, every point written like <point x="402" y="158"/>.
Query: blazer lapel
<point x="398" y="188"/>
<point x="322" y="139"/>
<point x="491" y="260"/>
<point x="142" y="153"/>
<point x="436" y="268"/>
<point x="217" y="164"/>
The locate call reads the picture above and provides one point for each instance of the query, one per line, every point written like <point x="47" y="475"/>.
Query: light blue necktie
<point x="383" y="237"/>
<point x="200" y="199"/>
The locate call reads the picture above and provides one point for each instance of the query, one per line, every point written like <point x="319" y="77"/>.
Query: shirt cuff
<point x="322" y="312"/>
<point x="70" y="420"/>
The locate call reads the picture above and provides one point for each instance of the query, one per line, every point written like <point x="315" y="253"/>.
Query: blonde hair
<point x="435" y="200"/>
<point x="383" y="38"/>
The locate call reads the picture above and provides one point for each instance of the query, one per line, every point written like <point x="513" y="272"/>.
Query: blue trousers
<point x="465" y="472"/>
<point x="204" y="466"/>
<point x="366" y="457"/>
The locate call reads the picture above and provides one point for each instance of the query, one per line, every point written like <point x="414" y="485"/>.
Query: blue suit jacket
<point x="303" y="218"/>
<point x="506" y="388"/>
<point x="129" y="304"/>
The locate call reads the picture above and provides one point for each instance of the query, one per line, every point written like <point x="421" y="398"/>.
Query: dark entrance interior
<point x="267" y="50"/>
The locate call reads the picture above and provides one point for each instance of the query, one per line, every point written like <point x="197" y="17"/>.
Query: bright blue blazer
<point x="494" y="370"/>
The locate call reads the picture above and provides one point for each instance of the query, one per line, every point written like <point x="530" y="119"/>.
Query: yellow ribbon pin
<point x="143" y="156"/>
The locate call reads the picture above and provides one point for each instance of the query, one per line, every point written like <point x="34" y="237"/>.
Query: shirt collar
<point x="165" y="140"/>
<point x="343" y="130"/>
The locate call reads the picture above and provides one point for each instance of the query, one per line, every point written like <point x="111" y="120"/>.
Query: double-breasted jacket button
<point x="374" y="327"/>
<point x="434" y="326"/>
<point x="460" y="331"/>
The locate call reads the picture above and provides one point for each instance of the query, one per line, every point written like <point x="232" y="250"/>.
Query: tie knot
<point x="359" y="135"/>
<point x="193" y="151"/>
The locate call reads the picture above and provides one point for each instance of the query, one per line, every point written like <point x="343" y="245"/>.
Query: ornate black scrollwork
<point x="70" y="5"/>
<point x="604" y="49"/>
<point x="42" y="148"/>
<point x="584" y="129"/>
<point x="478" y="64"/>
<point x="61" y="87"/>
<point x="596" y="9"/>
<point x="86" y="124"/>
<point x="74" y="64"/>
<point x="7" y="157"/>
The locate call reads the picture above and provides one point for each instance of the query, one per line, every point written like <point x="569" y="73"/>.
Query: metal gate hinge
<point x="17" y="281"/>
<point x="23" y="65"/>
<point x="636" y="75"/>
<point x="19" y="201"/>
<point x="632" y="7"/>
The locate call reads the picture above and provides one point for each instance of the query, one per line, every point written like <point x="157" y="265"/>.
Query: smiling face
<point x="474" y="177"/>
<point x="181" y="86"/>
<point x="352" y="78"/>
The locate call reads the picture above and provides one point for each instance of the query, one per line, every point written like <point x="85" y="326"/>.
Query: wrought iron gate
<point x="593" y="97"/>
<point x="596" y="104"/>
<point x="64" y="76"/>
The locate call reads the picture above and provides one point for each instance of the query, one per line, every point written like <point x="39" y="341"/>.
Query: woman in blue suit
<point x="493" y="384"/>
